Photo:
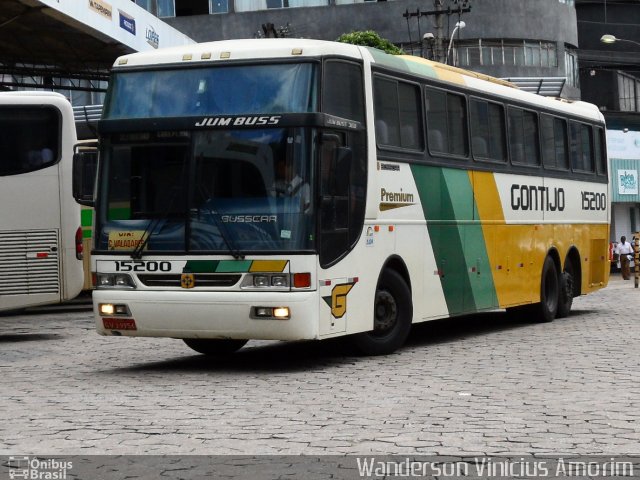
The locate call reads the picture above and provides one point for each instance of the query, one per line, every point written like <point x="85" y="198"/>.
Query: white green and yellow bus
<point x="423" y="192"/>
<point x="40" y="235"/>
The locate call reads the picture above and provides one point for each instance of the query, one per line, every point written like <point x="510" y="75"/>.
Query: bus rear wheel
<point x="547" y="309"/>
<point x="214" y="347"/>
<point x="565" y="300"/>
<point x="392" y="316"/>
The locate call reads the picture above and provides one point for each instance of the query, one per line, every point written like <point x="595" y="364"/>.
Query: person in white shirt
<point x="290" y="184"/>
<point x="625" y="250"/>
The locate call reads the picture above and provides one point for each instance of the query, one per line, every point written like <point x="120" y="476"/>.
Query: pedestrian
<point x="625" y="250"/>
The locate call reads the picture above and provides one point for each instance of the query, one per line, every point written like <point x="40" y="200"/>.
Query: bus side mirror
<point x="85" y="167"/>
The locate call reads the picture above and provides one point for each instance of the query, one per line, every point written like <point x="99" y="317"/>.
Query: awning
<point x="547" y="86"/>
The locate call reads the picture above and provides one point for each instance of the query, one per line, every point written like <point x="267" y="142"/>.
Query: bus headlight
<point x="280" y="281"/>
<point x="114" y="280"/>
<point x="260" y="281"/>
<point x="270" y="313"/>
<point x="110" y="309"/>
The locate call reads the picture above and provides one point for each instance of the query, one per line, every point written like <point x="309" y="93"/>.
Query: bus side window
<point x="600" y="151"/>
<point x="581" y="147"/>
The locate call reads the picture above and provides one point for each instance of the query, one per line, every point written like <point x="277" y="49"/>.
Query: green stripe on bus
<point x="398" y="63"/>
<point x="86" y="217"/>
<point x="217" y="266"/>
<point x="201" y="266"/>
<point x="234" y="266"/>
<point x="458" y="241"/>
<point x="86" y="221"/>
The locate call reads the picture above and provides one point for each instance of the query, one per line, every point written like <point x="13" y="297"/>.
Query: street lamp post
<point x="459" y="25"/>
<point x="609" y="39"/>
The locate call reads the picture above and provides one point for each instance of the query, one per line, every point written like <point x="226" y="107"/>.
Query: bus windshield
<point x="222" y="191"/>
<point x="217" y="90"/>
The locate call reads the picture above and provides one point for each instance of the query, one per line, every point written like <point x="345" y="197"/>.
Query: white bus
<point x="40" y="235"/>
<point x="414" y="191"/>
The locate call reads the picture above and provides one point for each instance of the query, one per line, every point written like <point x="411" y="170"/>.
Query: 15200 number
<point x="142" y="266"/>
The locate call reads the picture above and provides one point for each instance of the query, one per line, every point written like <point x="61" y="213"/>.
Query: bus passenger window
<point x="446" y="122"/>
<point x="600" y="151"/>
<point x="523" y="137"/>
<point x="487" y="130"/>
<point x="29" y="138"/>
<point x="398" y="117"/>
<point x="581" y="151"/>
<point x="554" y="142"/>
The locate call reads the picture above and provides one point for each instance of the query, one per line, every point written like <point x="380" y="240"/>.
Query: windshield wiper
<point x="224" y="233"/>
<point x="149" y="231"/>
<point x="146" y="235"/>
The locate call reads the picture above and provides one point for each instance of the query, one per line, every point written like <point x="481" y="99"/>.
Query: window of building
<point x="507" y="52"/>
<point x="523" y="137"/>
<point x="571" y="68"/>
<point x="185" y="8"/>
<point x="446" y="122"/>
<point x="487" y="130"/>
<point x="627" y="93"/>
<point x="160" y="8"/>
<point x="554" y="142"/>
<point x="253" y="5"/>
<point x="398" y="116"/>
<point x="146" y="4"/>
<point x="166" y="8"/>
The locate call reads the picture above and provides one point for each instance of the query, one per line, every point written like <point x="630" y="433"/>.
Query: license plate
<point x="119" y="323"/>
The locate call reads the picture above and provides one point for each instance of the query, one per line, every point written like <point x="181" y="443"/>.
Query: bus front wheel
<point x="214" y="347"/>
<point x="392" y="316"/>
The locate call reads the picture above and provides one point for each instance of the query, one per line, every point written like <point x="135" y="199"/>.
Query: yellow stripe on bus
<point x="268" y="265"/>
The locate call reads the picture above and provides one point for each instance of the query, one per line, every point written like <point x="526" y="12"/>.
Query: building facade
<point x="610" y="78"/>
<point x="503" y="38"/>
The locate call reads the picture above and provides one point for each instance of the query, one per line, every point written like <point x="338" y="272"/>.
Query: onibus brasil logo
<point x="35" y="468"/>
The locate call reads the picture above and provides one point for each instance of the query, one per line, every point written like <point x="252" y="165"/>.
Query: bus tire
<point x="214" y="347"/>
<point x="565" y="299"/>
<point x="393" y="313"/>
<point x="547" y="309"/>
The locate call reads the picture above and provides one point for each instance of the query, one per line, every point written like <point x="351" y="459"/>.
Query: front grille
<point x="206" y="280"/>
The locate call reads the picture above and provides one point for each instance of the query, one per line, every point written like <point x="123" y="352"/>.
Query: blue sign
<point x="127" y="22"/>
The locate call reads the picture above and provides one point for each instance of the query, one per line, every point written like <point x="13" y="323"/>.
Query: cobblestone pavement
<point x="478" y="385"/>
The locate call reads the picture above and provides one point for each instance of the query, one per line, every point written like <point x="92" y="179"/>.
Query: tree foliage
<point x="369" y="38"/>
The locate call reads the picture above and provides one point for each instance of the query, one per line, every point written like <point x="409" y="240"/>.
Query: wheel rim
<point x="385" y="312"/>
